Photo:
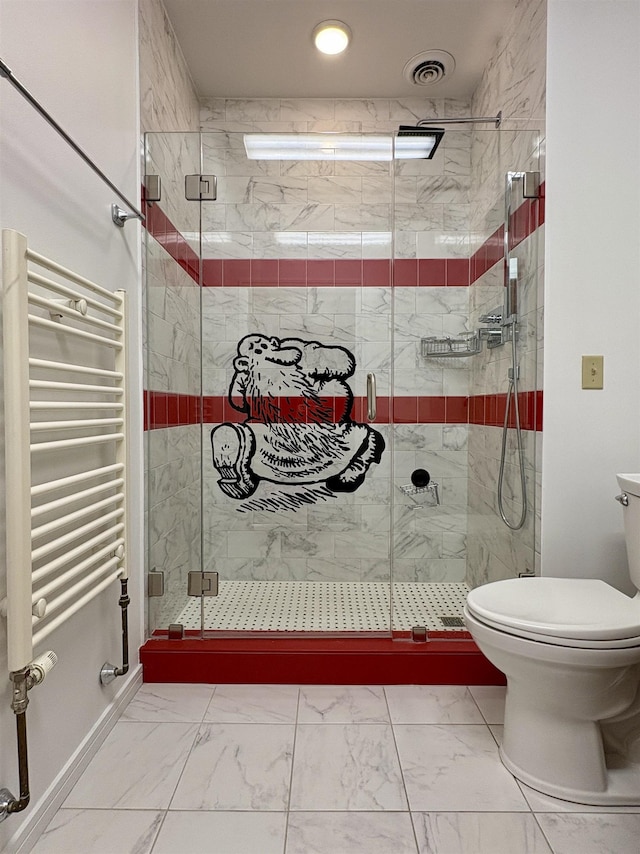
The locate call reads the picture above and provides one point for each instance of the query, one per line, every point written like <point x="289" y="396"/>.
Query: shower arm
<point x="495" y="120"/>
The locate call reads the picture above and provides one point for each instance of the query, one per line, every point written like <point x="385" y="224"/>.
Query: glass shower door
<point x="450" y="384"/>
<point x="296" y="332"/>
<point x="172" y="382"/>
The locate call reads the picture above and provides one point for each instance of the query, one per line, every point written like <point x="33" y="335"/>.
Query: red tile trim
<point x="163" y="409"/>
<point x="160" y="227"/>
<point x="369" y="272"/>
<point x="316" y="661"/>
<point x="489" y="409"/>
<point x="168" y="409"/>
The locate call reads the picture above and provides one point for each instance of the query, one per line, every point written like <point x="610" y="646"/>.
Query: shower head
<point x="423" y="140"/>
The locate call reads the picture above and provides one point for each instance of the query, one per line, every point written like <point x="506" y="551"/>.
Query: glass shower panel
<point x="296" y="329"/>
<point x="172" y="379"/>
<point x="449" y="385"/>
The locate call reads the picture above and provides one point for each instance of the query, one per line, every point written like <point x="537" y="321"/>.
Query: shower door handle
<point x="372" y="406"/>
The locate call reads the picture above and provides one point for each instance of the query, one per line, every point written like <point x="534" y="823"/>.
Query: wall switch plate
<point x="593" y="372"/>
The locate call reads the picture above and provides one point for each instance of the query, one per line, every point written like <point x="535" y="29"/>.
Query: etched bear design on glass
<point x="298" y="427"/>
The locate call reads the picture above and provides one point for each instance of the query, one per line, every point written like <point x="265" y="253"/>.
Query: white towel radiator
<point x="66" y="462"/>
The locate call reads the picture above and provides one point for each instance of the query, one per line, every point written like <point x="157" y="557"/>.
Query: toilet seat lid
<point x="580" y="609"/>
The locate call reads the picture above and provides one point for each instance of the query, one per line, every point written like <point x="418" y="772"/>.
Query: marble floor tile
<point x="449" y="766"/>
<point x="137" y="767"/>
<point x="342" y="704"/>
<point x="264" y="704"/>
<point x="237" y="767"/>
<point x="350" y="833"/>
<point x="490" y="700"/>
<point x="478" y="833"/>
<point x="497" y="731"/>
<point x="222" y="833"/>
<point x="432" y="704"/>
<point x="346" y="767"/>
<point x="592" y="833"/>
<point x="169" y="702"/>
<point x="539" y="802"/>
<point x="100" y="832"/>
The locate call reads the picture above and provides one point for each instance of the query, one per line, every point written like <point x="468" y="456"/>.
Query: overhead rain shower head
<point x="426" y="139"/>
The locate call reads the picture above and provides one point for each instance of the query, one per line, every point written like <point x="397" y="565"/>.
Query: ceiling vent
<point x="429" y="67"/>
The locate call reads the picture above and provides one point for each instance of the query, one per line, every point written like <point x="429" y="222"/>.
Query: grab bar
<point x="372" y="404"/>
<point x="6" y="72"/>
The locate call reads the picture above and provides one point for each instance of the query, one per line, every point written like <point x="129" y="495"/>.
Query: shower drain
<point x="452" y="622"/>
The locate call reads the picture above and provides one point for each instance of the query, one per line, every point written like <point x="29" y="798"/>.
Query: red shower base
<point x="318" y="661"/>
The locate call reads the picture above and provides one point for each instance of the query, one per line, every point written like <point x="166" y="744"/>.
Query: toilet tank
<point x="630" y="485"/>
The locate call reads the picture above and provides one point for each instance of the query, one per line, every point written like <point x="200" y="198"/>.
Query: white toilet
<point x="570" y="649"/>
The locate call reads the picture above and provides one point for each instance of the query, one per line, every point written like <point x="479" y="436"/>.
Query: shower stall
<point x="325" y="388"/>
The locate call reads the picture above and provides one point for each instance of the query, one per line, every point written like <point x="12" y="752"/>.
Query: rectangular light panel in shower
<point x="330" y="146"/>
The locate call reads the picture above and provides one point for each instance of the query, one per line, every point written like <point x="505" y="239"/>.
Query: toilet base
<point x="623" y="784"/>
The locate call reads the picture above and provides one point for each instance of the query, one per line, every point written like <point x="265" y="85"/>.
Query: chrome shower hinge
<point x="200" y="188"/>
<point x="202" y="584"/>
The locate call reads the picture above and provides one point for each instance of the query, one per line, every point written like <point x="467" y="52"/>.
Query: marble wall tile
<point x="513" y="81"/>
<point x="168" y="100"/>
<point x="373" y="110"/>
<point x="328" y="315"/>
<point x="307" y="109"/>
<point x="247" y="109"/>
<point x="433" y="570"/>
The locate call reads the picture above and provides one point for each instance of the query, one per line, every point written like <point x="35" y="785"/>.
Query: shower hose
<point x="512" y="394"/>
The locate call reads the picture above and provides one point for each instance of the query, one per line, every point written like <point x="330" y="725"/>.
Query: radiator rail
<point x="66" y="428"/>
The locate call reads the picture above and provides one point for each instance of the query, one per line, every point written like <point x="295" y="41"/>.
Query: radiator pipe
<point x="23" y="766"/>
<point x="22" y="681"/>
<point x="109" y="672"/>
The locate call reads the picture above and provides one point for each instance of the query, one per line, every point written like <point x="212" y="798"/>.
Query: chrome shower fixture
<point x="530" y="182"/>
<point x="465" y="120"/>
<point x="428" y="135"/>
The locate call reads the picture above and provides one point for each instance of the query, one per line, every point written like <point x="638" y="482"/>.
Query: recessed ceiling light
<point x="331" y="37"/>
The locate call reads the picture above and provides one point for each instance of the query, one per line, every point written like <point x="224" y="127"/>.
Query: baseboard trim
<point x="50" y="802"/>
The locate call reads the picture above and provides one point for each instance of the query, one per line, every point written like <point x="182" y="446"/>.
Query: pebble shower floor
<point x="290" y="606"/>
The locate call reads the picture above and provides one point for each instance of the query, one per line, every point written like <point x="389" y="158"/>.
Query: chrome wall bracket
<point x="6" y="798"/>
<point x="120" y="215"/>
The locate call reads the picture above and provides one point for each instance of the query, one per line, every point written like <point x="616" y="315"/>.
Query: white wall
<point x="592" y="288"/>
<point x="79" y="58"/>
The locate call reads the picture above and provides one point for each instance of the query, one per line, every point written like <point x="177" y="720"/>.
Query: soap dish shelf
<point x="462" y="345"/>
<point x="427" y="495"/>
